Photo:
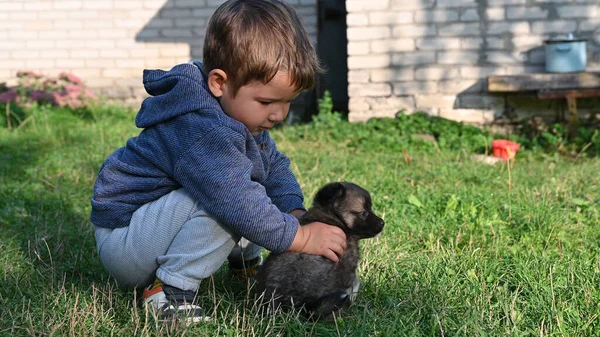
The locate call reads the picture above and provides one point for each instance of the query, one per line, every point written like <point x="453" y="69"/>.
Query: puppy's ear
<point x="329" y="194"/>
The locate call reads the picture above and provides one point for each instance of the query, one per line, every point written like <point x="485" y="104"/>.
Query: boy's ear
<point x="216" y="82"/>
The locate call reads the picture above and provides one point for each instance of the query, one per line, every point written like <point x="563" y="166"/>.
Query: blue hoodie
<point x="187" y="141"/>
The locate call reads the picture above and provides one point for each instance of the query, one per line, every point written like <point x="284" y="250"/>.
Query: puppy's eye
<point x="364" y="214"/>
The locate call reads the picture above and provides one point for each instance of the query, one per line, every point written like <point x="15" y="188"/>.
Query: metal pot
<point x="565" y="55"/>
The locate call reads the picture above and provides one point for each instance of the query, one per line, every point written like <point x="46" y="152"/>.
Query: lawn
<point x="469" y="249"/>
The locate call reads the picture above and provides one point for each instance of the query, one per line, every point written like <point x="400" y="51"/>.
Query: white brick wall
<point x="403" y="54"/>
<point x="440" y="52"/>
<point x="108" y="42"/>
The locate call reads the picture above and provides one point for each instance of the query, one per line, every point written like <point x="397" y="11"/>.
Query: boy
<point x="170" y="207"/>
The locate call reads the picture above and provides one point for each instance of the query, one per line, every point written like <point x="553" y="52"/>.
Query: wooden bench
<point x="569" y="86"/>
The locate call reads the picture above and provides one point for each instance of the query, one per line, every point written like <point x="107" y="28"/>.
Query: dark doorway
<point x="333" y="51"/>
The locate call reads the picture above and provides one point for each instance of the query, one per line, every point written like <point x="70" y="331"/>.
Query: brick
<point x="495" y="14"/>
<point x="22" y="35"/>
<point x="114" y="34"/>
<point x="457" y="57"/>
<point x="455" y="87"/>
<point x="67" y="5"/>
<point x="392" y="75"/>
<point x="392" y="103"/>
<point x="176" y="33"/>
<point x="527" y="42"/>
<point x="70" y="44"/>
<point x="175" y="13"/>
<point x="456" y="3"/>
<point x="492" y="3"/>
<point x="114" y="53"/>
<point x="515" y="28"/>
<point x="23" y="16"/>
<point x="412" y="4"/>
<point x="54" y="54"/>
<point x="91" y="34"/>
<point x="390" y="18"/>
<point x="12" y="45"/>
<point x="504" y="57"/>
<point x="362" y="5"/>
<point x="40" y="44"/>
<point x="129" y="4"/>
<point x="69" y="63"/>
<point x="89" y="14"/>
<point x="100" y="82"/>
<point x="183" y="23"/>
<point x="473" y="72"/>
<point x="438" y="15"/>
<point x="52" y="15"/>
<point x="415" y="87"/>
<point x="435" y="101"/>
<point x="436" y="73"/>
<point x="357" y="19"/>
<point x="39" y="64"/>
<point x="474" y="116"/>
<point x="406" y="59"/>
<point x="369" y="90"/>
<point x="413" y="30"/>
<point x="189" y="4"/>
<point x="589" y="25"/>
<point x="557" y="26"/>
<point x="100" y="63"/>
<point x="24" y="54"/>
<point x="368" y="61"/>
<point x="358" y="76"/>
<point x="577" y="11"/>
<point x="175" y="52"/>
<point x="95" y="4"/>
<point x="459" y="29"/>
<point x="358" y="48"/>
<point x="13" y="64"/>
<point x="478" y="43"/>
<point x="358" y="104"/>
<point x="438" y="43"/>
<point x="470" y="15"/>
<point x="368" y="33"/>
<point x="397" y="45"/>
<point x="84" y="54"/>
<point x="526" y="13"/>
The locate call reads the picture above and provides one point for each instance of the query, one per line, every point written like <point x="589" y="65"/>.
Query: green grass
<point x="469" y="249"/>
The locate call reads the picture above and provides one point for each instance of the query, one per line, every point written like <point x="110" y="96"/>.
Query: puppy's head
<point x="351" y="204"/>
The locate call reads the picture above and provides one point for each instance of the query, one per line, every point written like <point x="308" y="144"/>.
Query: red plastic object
<point x="505" y="149"/>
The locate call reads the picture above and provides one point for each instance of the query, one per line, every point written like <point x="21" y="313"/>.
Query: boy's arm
<point x="217" y="174"/>
<point x="281" y="184"/>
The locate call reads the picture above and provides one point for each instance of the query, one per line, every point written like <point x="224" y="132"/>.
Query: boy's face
<point x="260" y="106"/>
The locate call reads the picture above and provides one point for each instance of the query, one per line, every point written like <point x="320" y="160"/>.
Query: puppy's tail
<point x="326" y="305"/>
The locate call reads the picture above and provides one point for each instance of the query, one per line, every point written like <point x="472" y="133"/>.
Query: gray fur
<point x="298" y="280"/>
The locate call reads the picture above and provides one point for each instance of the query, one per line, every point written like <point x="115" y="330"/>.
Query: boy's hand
<point x="318" y="238"/>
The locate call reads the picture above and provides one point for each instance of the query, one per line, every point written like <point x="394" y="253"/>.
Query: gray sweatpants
<point x="173" y="239"/>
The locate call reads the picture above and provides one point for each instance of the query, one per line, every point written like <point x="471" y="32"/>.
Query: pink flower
<point x="8" y="96"/>
<point x="28" y="73"/>
<point x="42" y="97"/>
<point x="70" y="78"/>
<point x="89" y="94"/>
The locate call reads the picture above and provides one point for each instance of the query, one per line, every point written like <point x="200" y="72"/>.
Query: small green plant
<point x="326" y="116"/>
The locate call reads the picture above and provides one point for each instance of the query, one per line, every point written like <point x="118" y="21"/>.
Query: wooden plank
<point x="574" y="93"/>
<point x="533" y="82"/>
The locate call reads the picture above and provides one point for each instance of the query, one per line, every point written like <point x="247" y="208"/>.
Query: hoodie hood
<point x="175" y="92"/>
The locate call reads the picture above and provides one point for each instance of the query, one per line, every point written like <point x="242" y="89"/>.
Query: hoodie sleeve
<point x="217" y="173"/>
<point x="281" y="184"/>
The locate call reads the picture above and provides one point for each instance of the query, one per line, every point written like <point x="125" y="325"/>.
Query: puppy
<point x="314" y="283"/>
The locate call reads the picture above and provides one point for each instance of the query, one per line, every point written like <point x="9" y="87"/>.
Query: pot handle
<point x="563" y="47"/>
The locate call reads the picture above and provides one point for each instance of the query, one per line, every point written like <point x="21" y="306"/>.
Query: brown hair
<point x="252" y="40"/>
